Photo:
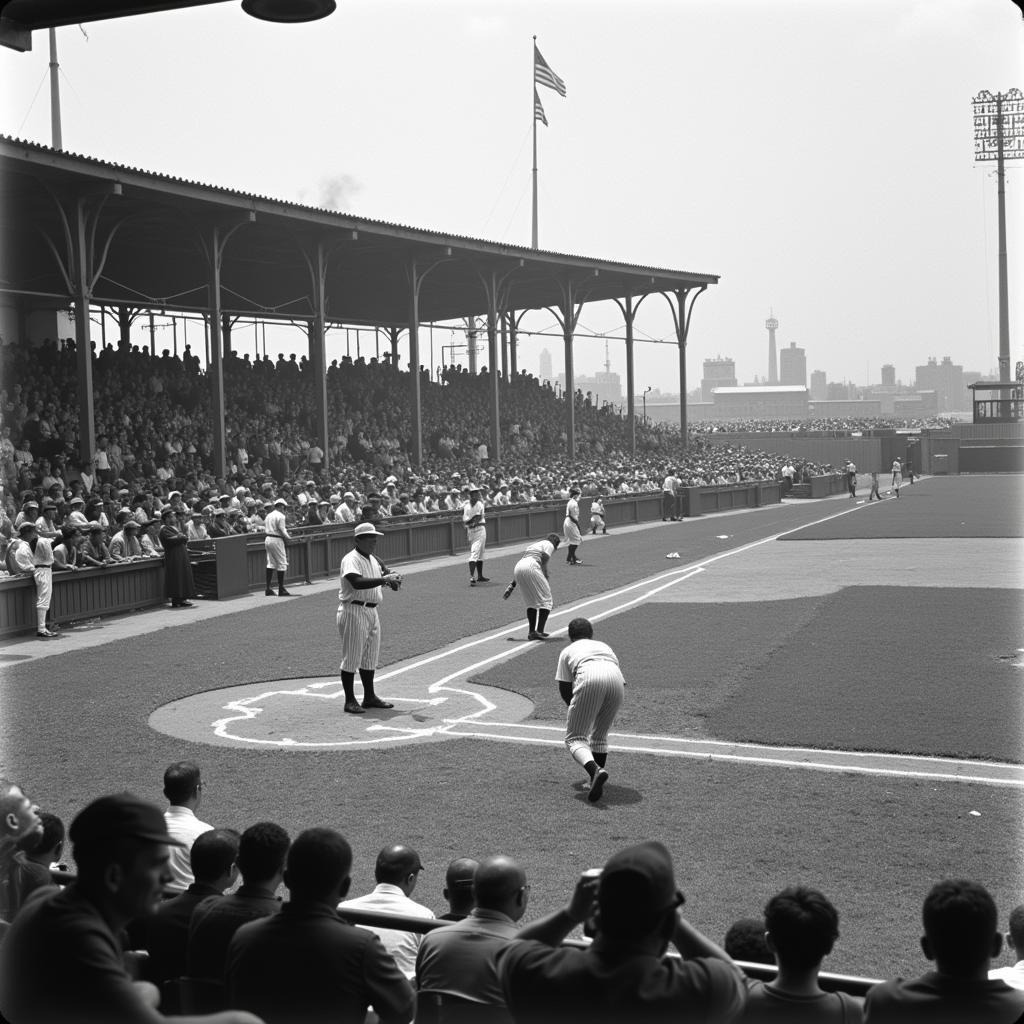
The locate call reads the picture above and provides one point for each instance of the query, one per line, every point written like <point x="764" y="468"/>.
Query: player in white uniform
<point x="531" y="577"/>
<point x="571" y="526"/>
<point x="897" y="476"/>
<point x="277" y="556"/>
<point x="590" y="682"/>
<point x="597" y="516"/>
<point x="361" y="589"/>
<point x="476" y="532"/>
<point x="32" y="555"/>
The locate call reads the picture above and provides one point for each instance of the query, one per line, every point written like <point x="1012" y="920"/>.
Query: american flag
<point x="543" y="75"/>
<point x="538" y="109"/>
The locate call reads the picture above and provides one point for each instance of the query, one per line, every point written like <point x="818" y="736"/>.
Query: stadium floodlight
<point x="19" y="18"/>
<point x="999" y="136"/>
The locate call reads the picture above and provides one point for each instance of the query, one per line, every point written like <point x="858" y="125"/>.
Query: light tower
<point x="773" y="364"/>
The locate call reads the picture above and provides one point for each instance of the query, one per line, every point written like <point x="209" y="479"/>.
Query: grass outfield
<point x="73" y="726"/>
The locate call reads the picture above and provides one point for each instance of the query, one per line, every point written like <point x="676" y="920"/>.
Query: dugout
<point x="82" y="233"/>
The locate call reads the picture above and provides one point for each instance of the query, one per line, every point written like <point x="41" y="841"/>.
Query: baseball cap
<point x="120" y="816"/>
<point x="281" y="501"/>
<point x="637" y="885"/>
<point x="366" y="530"/>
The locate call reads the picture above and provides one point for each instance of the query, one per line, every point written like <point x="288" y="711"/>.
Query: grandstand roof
<point x="153" y="229"/>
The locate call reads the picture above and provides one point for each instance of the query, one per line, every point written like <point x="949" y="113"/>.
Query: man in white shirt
<point x="396" y="872"/>
<point x="276" y="528"/>
<point x="1013" y="976"/>
<point x="183" y="788"/>
<point x="476" y="533"/>
<point x="668" y="497"/>
<point x="32" y="555"/>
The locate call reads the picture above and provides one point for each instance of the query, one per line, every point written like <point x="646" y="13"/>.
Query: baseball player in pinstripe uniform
<point x="591" y="683"/>
<point x="571" y="526"/>
<point x="531" y="577"/>
<point x="476" y="532"/>
<point x="363" y="578"/>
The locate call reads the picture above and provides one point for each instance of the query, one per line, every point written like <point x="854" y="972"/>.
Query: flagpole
<point x="533" y="117"/>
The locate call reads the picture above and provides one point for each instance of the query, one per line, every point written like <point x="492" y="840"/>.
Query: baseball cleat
<point x="597" y="785"/>
<point x="269" y="593"/>
<point x="483" y="579"/>
<point x="46" y="634"/>
<point x="353" y="708"/>
<point x="534" y="635"/>
<point x="376" y="702"/>
<point x="543" y="636"/>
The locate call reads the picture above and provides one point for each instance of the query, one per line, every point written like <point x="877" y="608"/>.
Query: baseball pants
<point x="534" y="587"/>
<point x="596" y="699"/>
<point x="477" y="541"/>
<point x="359" y="629"/>
<point x="43" y="575"/>
<point x="277" y="557"/>
<point x="571" y="531"/>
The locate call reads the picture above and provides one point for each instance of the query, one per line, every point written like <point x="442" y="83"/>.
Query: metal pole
<point x="152" y="335"/>
<point x="533" y="117"/>
<point x="1004" y="312"/>
<point x="55" y="133"/>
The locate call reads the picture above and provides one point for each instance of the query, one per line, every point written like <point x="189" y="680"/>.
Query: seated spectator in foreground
<point x="461" y="959"/>
<point x="396" y="872"/>
<point x="745" y="941"/>
<point x="961" y="935"/>
<point x="262" y="850"/>
<point x="61" y="962"/>
<point x="624" y="975"/>
<point x="306" y="965"/>
<point x="164" y="935"/>
<point x="19" y="819"/>
<point x="1013" y="976"/>
<point x="458" y="888"/>
<point x="29" y="868"/>
<point x="183" y="787"/>
<point x="802" y="926"/>
<point x="125" y="544"/>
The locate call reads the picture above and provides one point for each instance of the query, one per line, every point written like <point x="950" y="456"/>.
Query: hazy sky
<point x="817" y="154"/>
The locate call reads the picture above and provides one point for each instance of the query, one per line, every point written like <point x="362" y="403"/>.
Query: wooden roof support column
<point x="629" y="315"/>
<point x="318" y="351"/>
<point x="681" y="315"/>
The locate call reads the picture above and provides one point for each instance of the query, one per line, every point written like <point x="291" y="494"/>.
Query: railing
<point x="236" y="565"/>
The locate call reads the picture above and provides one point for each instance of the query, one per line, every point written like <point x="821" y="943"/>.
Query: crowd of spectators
<point x="210" y="936"/>
<point x="154" y="448"/>
<point x="831" y="425"/>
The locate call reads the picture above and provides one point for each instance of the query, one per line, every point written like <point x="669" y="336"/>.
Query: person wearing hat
<point x="634" y="909"/>
<point x="571" y="526"/>
<point x="46" y="524"/>
<point x="476" y="533"/>
<point x="531" y="577"/>
<point x="347" y="511"/>
<point x="67" y="556"/>
<point x="178" y="583"/>
<point x="453" y="500"/>
<point x="95" y="551"/>
<point x="195" y="529"/>
<point x="62" y="961"/>
<point x="276" y="527"/>
<point x="32" y="555"/>
<point x="219" y="524"/>
<point x="362" y="580"/>
<point x="125" y="544"/>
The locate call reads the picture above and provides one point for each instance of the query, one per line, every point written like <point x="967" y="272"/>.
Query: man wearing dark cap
<point x="32" y="555"/>
<point x="624" y="974"/>
<point x="61" y="962"/>
<point x="458" y="888"/>
<point x="396" y="872"/>
<point x="178" y="585"/>
<point x="474" y="520"/>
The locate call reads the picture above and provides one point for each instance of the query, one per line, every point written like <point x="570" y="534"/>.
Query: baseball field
<point x="823" y="692"/>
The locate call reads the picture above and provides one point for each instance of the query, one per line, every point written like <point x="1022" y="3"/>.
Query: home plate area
<point x="304" y="714"/>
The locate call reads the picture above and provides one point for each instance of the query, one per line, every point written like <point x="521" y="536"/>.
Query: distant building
<point x="774" y="402"/>
<point x="888" y="375"/>
<point x="841" y="391"/>
<point x="718" y="373"/>
<point x="948" y="382"/>
<point x="793" y="366"/>
<point x="602" y="387"/>
<point x="819" y="386"/>
<point x="546" y="373"/>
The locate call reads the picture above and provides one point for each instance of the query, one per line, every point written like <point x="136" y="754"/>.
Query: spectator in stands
<point x="396" y="872"/>
<point x="624" y="974"/>
<point x="164" y="935"/>
<point x="802" y="926"/>
<point x="1013" y="976"/>
<point x="262" y="850"/>
<point x="745" y="941"/>
<point x="20" y="819"/>
<point x="458" y="888"/>
<point x="306" y="965"/>
<point x="61" y="962"/>
<point x="462" y="959"/>
<point x="66" y="555"/>
<point x="183" y="787"/>
<point x="96" y="551"/>
<point x="961" y="936"/>
<point x="29" y="868"/>
<point x="125" y="544"/>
